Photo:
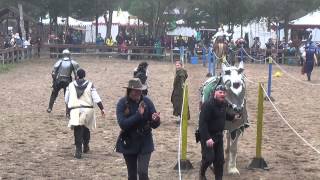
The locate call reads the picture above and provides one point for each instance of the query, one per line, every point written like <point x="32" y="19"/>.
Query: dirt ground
<point x="38" y="145"/>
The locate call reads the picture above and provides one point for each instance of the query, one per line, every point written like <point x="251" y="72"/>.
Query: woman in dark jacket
<point x="136" y="117"/>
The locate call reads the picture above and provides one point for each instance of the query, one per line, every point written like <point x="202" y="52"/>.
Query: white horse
<point x="233" y="79"/>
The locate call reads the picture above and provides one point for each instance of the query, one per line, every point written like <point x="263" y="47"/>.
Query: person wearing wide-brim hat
<point x="136" y="117"/>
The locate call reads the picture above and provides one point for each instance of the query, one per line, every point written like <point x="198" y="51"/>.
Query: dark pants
<point x="137" y="164"/>
<point x="55" y="91"/>
<point x="309" y="76"/>
<point x="213" y="156"/>
<point x="81" y="136"/>
<point x="309" y="69"/>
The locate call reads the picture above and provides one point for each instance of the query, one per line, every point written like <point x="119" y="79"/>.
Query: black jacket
<point x="212" y="119"/>
<point x="136" y="135"/>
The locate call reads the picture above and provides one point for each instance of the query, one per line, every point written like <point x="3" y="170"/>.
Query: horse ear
<point x="240" y="67"/>
<point x="224" y="67"/>
<point x="240" y="70"/>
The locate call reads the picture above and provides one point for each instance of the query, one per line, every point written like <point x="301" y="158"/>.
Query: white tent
<point x="183" y="31"/>
<point x="312" y="18"/>
<point x="72" y="21"/>
<point x="310" y="21"/>
<point x="120" y="17"/>
<point x="254" y="29"/>
<point x="315" y="34"/>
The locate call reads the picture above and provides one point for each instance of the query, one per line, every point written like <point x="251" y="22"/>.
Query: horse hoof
<point x="233" y="171"/>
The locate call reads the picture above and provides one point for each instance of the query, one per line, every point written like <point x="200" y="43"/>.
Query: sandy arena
<point x="38" y="145"/>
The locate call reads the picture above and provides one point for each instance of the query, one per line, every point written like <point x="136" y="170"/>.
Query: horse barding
<point x="233" y="79"/>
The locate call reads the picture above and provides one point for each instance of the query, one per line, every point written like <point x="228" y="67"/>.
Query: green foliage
<point x="153" y="12"/>
<point x="159" y="13"/>
<point x="6" y="67"/>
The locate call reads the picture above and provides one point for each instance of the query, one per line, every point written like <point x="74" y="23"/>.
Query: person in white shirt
<point x="80" y="98"/>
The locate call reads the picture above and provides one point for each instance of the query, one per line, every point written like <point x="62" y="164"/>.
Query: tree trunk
<point x="106" y="23"/>
<point x="50" y="25"/>
<point x="23" y="32"/>
<point x="144" y="28"/>
<point x="97" y="16"/>
<point x="55" y="22"/>
<point x="109" y="27"/>
<point x="97" y="24"/>
<point x="286" y="29"/>
<point x="155" y="20"/>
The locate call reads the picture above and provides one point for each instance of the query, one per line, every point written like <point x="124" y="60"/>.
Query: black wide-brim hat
<point x="136" y="84"/>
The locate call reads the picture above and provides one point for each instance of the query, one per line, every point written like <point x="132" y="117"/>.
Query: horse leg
<point x="232" y="156"/>
<point x="227" y="151"/>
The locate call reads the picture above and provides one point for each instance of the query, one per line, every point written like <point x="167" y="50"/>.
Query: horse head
<point x="233" y="79"/>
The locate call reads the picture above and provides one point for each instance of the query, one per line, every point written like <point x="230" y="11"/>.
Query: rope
<point x="235" y="50"/>
<point x="179" y="147"/>
<point x="258" y="60"/>
<point x="292" y="77"/>
<point x="305" y="141"/>
<point x="245" y="77"/>
<point x="217" y="56"/>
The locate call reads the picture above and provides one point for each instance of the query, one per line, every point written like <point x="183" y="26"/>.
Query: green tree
<point x="285" y="10"/>
<point x="213" y="13"/>
<point x="152" y="12"/>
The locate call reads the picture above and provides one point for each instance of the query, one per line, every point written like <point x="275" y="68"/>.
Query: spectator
<point x="136" y="117"/>
<point x="99" y="40"/>
<point x="177" y="92"/>
<point x="141" y="72"/>
<point x="191" y="45"/>
<point x="269" y="46"/>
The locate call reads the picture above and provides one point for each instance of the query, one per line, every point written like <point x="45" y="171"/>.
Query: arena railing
<point x="101" y="50"/>
<point x="16" y="54"/>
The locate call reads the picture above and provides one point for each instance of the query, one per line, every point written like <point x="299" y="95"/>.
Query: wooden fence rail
<point x="89" y="49"/>
<point x="15" y="54"/>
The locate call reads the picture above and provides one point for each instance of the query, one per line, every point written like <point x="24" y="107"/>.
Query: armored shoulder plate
<point x="57" y="64"/>
<point x="75" y="65"/>
<point x="208" y="86"/>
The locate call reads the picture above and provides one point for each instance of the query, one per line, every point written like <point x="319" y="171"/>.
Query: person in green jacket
<point x="178" y="84"/>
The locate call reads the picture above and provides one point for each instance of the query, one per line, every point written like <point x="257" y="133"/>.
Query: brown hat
<point x="135" y="83"/>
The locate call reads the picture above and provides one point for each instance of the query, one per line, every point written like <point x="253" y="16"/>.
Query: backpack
<point x="205" y="94"/>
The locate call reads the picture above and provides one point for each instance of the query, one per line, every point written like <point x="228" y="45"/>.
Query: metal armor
<point x="64" y="68"/>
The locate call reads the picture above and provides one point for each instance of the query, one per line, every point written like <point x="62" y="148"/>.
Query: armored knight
<point x="62" y="76"/>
